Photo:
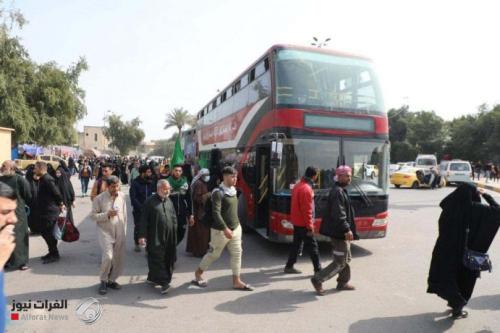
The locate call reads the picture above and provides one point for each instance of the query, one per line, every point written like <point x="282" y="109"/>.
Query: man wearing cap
<point x="109" y="211"/>
<point x="199" y="234"/>
<point x="338" y="224"/>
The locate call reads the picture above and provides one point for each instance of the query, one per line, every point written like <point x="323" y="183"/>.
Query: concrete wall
<point x="5" y="143"/>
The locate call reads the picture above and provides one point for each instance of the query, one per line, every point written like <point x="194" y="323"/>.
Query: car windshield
<point x="369" y="160"/>
<point x="426" y="161"/>
<point x="316" y="80"/>
<point x="459" y="167"/>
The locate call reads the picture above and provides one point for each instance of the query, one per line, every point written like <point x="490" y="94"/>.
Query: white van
<point x="456" y="171"/>
<point x="426" y="161"/>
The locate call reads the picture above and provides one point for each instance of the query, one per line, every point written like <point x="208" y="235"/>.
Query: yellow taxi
<point x="412" y="177"/>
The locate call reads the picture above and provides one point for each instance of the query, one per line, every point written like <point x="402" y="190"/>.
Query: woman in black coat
<point x="448" y="277"/>
<point x="34" y="222"/>
<point x="66" y="188"/>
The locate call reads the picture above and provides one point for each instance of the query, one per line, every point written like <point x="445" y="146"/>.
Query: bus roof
<point x="281" y="47"/>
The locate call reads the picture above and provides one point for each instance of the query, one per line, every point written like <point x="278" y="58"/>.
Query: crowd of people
<point x="489" y="171"/>
<point x="169" y="201"/>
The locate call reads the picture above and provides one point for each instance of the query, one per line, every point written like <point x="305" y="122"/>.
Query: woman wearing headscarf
<point x="34" y="222"/>
<point x="462" y="209"/>
<point x="66" y="188"/>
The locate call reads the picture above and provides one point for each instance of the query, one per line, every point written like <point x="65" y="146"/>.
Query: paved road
<point x="390" y="276"/>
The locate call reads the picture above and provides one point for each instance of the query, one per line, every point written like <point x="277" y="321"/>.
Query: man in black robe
<point x="158" y="229"/>
<point x="448" y="277"/>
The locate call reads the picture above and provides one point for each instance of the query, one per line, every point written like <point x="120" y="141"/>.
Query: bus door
<point x="262" y="188"/>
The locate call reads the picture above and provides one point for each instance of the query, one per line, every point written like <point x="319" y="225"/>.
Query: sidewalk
<point x="490" y="185"/>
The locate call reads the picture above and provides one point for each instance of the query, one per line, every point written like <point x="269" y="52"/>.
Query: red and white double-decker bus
<point x="295" y="107"/>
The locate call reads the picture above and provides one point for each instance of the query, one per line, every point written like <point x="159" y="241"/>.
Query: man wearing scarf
<point x="338" y="223"/>
<point x="158" y="232"/>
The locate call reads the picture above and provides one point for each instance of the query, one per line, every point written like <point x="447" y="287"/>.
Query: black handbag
<point x="475" y="260"/>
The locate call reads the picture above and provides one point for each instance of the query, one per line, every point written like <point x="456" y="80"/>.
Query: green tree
<point x="41" y="102"/>
<point x="427" y="132"/>
<point x="123" y="135"/>
<point x="179" y="117"/>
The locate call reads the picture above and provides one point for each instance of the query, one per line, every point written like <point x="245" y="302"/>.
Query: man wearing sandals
<point x="225" y="231"/>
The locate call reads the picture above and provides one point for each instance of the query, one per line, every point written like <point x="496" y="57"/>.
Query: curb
<point x="488" y="187"/>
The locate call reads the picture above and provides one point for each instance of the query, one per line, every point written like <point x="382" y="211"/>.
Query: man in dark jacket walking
<point x="51" y="204"/>
<point x="303" y="221"/>
<point x="140" y="189"/>
<point x="338" y="223"/>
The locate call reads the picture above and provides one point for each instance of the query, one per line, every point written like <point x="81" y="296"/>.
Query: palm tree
<point x="179" y="118"/>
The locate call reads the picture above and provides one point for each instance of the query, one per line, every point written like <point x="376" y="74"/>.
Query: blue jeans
<point x="85" y="184"/>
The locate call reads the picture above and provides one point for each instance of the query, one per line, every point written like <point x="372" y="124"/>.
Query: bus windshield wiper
<point x="362" y="193"/>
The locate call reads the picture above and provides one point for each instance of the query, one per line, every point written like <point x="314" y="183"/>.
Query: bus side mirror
<point x="276" y="154"/>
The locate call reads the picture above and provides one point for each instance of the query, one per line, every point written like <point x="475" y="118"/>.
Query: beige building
<point x="93" y="137"/>
<point x="5" y="143"/>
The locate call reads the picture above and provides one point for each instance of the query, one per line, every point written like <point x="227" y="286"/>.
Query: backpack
<point x="207" y="220"/>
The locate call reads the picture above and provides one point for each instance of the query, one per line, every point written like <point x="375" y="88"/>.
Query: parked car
<point x="426" y="161"/>
<point x="50" y="159"/>
<point x="455" y="171"/>
<point x="414" y="178"/>
<point x="393" y="168"/>
<point x="371" y="171"/>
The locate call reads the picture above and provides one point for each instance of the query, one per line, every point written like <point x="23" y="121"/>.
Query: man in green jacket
<point x="225" y="231"/>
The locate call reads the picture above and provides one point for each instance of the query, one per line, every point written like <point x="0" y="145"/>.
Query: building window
<point x="95" y="137"/>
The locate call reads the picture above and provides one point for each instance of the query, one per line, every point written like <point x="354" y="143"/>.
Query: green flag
<point x="178" y="156"/>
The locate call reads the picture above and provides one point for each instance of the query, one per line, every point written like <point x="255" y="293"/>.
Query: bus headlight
<point x="286" y="224"/>
<point x="379" y="222"/>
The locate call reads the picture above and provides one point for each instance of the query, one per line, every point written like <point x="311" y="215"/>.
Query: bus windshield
<point x="315" y="80"/>
<point x="368" y="158"/>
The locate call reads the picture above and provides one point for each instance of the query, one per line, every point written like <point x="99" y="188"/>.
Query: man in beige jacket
<point x="109" y="211"/>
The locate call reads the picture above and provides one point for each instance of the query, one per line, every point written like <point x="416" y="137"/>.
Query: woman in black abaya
<point x="448" y="277"/>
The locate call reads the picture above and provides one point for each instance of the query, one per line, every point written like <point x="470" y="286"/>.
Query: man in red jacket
<point x="303" y="221"/>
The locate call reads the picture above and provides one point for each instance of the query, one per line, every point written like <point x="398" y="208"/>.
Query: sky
<point x="147" y="57"/>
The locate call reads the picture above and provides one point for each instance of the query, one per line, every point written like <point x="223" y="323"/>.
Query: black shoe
<point x="103" y="289"/>
<point x="46" y="256"/>
<point x="292" y="270"/>
<point x="114" y="285"/>
<point x="164" y="289"/>
<point x="51" y="258"/>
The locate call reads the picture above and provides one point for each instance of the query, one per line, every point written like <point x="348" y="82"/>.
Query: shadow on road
<point x="270" y="301"/>
<point x="425" y="322"/>
<point x="487" y="302"/>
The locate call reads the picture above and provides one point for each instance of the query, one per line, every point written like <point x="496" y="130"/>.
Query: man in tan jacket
<point x="109" y="211"/>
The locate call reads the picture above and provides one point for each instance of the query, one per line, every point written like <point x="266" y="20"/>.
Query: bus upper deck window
<point x="251" y="75"/>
